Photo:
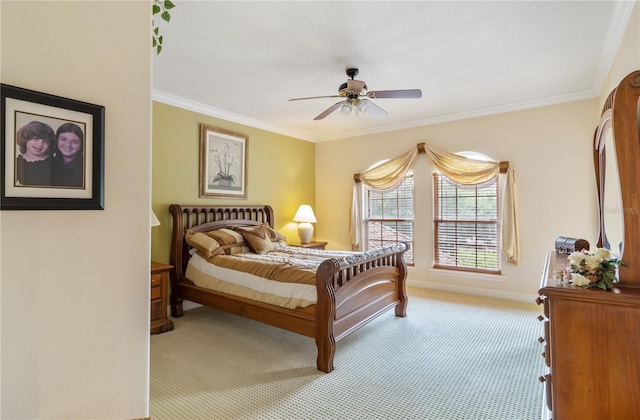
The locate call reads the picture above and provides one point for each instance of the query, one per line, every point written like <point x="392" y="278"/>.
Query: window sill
<point x="468" y="275"/>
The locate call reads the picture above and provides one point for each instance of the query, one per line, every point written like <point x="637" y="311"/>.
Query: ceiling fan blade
<point x="330" y="110"/>
<point x="374" y="110"/>
<point x="355" y="86"/>
<point x="315" y="97"/>
<point x="402" y="93"/>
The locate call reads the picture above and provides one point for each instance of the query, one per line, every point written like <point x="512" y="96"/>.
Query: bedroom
<point x="47" y="362"/>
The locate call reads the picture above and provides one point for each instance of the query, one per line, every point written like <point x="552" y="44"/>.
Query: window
<point x="466" y="225"/>
<point x="388" y="217"/>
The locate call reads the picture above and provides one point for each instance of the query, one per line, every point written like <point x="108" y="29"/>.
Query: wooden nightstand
<point x="159" y="283"/>
<point x="312" y="244"/>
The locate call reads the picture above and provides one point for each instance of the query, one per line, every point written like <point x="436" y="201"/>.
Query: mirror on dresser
<point x="617" y="167"/>
<point x="611" y="229"/>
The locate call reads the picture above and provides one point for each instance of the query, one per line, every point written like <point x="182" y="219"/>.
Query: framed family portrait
<point x="223" y="163"/>
<point x="52" y="152"/>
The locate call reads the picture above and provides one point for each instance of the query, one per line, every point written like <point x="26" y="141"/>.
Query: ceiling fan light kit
<point x="353" y="90"/>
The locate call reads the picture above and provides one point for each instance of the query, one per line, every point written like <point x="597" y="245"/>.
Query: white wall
<point x="75" y="284"/>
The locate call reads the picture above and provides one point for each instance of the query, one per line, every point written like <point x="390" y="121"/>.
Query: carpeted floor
<point x="452" y="357"/>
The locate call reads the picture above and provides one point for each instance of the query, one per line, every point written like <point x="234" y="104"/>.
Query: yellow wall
<point x="281" y="171"/>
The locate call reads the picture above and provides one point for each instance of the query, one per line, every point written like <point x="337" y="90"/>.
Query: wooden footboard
<point x="351" y="291"/>
<point x="355" y="290"/>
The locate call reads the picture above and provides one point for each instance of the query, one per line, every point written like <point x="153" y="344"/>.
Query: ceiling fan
<point x="353" y="90"/>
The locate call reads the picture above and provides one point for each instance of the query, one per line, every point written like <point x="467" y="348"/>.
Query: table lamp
<point x="304" y="217"/>
<point x="154" y="220"/>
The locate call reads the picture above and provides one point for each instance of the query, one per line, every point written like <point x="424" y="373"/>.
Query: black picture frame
<point x="75" y="183"/>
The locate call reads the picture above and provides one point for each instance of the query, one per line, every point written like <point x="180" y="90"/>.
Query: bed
<point x="351" y="288"/>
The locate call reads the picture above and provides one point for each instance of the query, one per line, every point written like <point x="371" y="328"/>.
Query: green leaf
<point x="156" y="9"/>
<point x="160" y="40"/>
<point x="168" y="5"/>
<point x="156" y="30"/>
<point x="166" y="16"/>
<point x="159" y="49"/>
<point x="154" y="42"/>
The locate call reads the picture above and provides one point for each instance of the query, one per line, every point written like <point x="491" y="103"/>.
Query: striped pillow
<point x="262" y="239"/>
<point x="215" y="242"/>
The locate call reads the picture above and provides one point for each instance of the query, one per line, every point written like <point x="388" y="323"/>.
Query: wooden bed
<point x="350" y="292"/>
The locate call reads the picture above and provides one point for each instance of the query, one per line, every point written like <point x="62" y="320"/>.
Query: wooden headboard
<point x="204" y="218"/>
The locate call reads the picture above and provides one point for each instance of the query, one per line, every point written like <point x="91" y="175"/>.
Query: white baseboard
<point x="473" y="291"/>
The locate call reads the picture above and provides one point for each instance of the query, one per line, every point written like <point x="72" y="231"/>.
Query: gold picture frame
<point x="223" y="163"/>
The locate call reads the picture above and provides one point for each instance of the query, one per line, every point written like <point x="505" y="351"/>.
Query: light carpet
<point x="452" y="357"/>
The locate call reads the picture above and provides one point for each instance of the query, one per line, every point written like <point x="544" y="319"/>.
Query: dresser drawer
<point x="156" y="280"/>
<point x="156" y="309"/>
<point x="160" y="323"/>
<point x="156" y="291"/>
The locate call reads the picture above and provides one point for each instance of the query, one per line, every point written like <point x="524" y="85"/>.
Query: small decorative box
<point x="568" y="245"/>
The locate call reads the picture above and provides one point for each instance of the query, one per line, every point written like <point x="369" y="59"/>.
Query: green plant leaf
<point x="166" y="16"/>
<point x="156" y="30"/>
<point x="168" y="4"/>
<point x="156" y="9"/>
<point x="159" y="49"/>
<point x="154" y="42"/>
<point x="160" y="40"/>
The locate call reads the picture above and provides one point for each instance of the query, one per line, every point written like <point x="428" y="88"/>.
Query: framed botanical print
<point x="223" y="163"/>
<point x="52" y="152"/>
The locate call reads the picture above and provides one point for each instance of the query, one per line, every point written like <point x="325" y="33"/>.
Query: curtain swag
<point x="390" y="174"/>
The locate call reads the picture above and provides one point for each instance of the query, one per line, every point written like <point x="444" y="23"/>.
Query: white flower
<point x="592" y="261"/>
<point x="579" y="280"/>
<point x="603" y="253"/>
<point x="577" y="257"/>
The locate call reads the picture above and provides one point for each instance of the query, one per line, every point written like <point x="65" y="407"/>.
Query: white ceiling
<point x="242" y="61"/>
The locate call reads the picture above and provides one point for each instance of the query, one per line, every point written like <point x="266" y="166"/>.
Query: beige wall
<point x="75" y="284"/>
<point x="549" y="147"/>
<point x="627" y="58"/>
<point x="281" y="171"/>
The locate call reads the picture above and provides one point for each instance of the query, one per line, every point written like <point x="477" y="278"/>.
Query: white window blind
<point x="388" y="217"/>
<point x="466" y="225"/>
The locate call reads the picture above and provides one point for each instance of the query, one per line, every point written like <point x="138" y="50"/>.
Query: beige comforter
<point x="291" y="271"/>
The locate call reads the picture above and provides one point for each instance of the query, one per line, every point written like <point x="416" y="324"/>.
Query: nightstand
<point x="159" y="283"/>
<point x="312" y="244"/>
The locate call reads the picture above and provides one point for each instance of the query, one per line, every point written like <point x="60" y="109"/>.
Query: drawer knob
<point x="540" y="339"/>
<point x="539" y="300"/>
<point x="542" y="379"/>
<point x="540" y="318"/>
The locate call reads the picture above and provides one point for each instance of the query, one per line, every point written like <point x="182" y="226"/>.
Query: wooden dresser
<point x="159" y="283"/>
<point x="591" y="349"/>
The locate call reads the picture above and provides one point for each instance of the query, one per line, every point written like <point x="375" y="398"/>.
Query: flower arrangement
<point x="225" y="161"/>
<point x="594" y="268"/>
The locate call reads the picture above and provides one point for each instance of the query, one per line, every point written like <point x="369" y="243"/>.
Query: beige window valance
<point x="390" y="174"/>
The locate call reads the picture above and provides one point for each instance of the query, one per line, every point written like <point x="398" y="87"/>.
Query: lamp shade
<point x="154" y="220"/>
<point x="305" y="215"/>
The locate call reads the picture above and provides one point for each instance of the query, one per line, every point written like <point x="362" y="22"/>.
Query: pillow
<point x="262" y="239"/>
<point x="214" y="242"/>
